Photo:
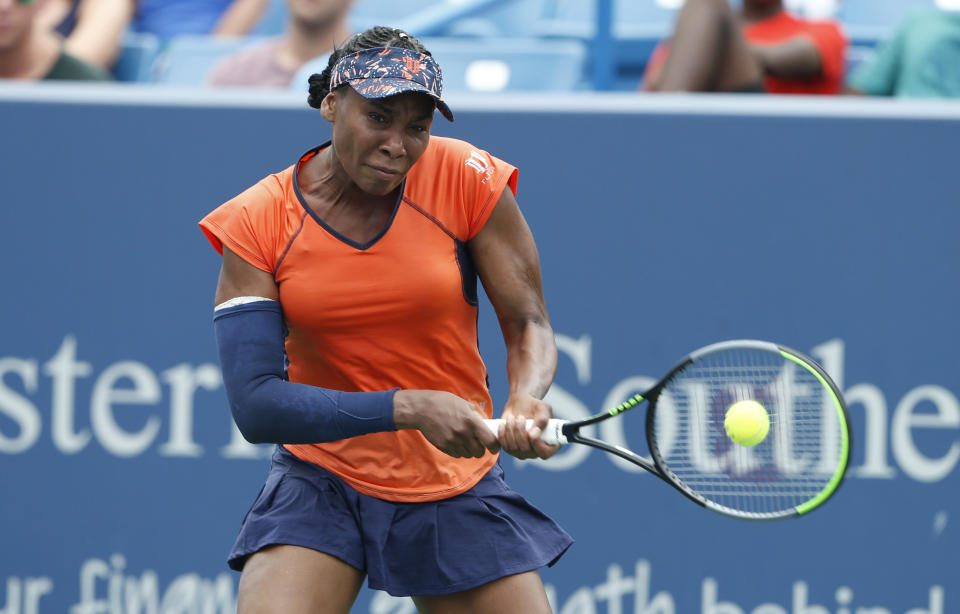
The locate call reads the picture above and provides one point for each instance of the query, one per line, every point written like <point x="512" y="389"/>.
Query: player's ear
<point x="328" y="107"/>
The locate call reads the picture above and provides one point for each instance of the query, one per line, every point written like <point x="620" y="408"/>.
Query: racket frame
<point x="656" y="464"/>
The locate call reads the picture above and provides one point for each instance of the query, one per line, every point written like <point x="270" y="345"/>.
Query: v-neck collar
<point x="303" y="203"/>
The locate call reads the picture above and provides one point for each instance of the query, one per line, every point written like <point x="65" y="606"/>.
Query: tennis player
<point x="346" y="323"/>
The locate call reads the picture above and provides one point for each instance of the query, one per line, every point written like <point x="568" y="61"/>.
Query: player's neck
<point x="326" y="181"/>
<point x="340" y="203"/>
<point x="31" y="57"/>
<point x="304" y="42"/>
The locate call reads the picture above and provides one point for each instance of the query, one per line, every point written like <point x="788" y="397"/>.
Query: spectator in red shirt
<point x="760" y="48"/>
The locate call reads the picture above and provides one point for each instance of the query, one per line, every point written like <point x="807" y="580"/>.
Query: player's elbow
<point x="250" y="422"/>
<point x="250" y="409"/>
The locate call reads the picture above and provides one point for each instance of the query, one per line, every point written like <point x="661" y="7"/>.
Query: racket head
<point x="797" y="467"/>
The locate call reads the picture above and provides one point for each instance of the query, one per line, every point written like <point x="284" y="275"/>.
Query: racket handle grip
<point x="553" y="434"/>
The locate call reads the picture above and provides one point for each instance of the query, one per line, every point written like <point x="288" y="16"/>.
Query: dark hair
<point x="377" y="36"/>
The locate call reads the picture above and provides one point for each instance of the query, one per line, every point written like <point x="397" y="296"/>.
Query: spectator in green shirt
<point x="920" y="60"/>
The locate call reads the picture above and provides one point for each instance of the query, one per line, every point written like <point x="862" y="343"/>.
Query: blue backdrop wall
<point x="123" y="481"/>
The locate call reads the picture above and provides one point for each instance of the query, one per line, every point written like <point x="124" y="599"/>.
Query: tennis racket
<point x="796" y="467"/>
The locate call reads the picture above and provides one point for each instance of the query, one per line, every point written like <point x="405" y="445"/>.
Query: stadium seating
<point x="509" y="64"/>
<point x="366" y="13"/>
<point x="489" y="18"/>
<point x="300" y="79"/>
<point x="498" y="45"/>
<point x="884" y="14"/>
<point x="636" y="27"/>
<point x="495" y="65"/>
<point x="274" y="20"/>
<point x="137" y="54"/>
<point x="859" y="53"/>
<point x="630" y="17"/>
<point x="188" y="59"/>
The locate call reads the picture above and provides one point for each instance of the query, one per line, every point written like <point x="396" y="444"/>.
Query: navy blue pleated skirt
<point x="432" y="548"/>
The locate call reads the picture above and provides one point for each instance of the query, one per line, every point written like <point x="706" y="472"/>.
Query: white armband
<point x="240" y="300"/>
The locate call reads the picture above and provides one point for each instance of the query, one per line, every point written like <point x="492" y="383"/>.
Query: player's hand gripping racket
<point x="793" y="454"/>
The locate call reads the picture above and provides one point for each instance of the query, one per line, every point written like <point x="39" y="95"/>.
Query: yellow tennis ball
<point x="747" y="423"/>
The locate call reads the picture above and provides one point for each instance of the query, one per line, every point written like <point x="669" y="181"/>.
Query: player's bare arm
<point x="240" y="278"/>
<point x="506" y="258"/>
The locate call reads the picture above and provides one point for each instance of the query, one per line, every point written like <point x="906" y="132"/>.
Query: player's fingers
<point x="544" y="449"/>
<point x="508" y="433"/>
<point x="480" y="440"/>
<point x="476" y="447"/>
<point x="488" y="439"/>
<point x="541" y="415"/>
<point x="468" y="444"/>
<point x="467" y="450"/>
<point x="529" y="444"/>
<point x="520" y="444"/>
<point x="518" y="439"/>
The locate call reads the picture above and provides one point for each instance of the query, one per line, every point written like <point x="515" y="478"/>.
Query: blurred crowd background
<point x="904" y="48"/>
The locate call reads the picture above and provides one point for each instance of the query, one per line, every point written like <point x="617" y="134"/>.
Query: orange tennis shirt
<point x="400" y="311"/>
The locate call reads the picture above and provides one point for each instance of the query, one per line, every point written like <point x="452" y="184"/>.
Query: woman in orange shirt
<point x="346" y="323"/>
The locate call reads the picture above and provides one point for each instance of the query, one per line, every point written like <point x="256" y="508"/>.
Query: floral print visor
<point x="387" y="71"/>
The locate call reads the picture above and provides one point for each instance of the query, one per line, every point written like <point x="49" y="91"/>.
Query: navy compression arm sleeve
<point x="269" y="409"/>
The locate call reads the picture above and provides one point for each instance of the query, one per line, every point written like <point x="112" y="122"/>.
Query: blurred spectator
<point x="30" y="50"/>
<point x="168" y="18"/>
<point x="759" y="48"/>
<point x="314" y="28"/>
<point x="92" y="29"/>
<point x="920" y="60"/>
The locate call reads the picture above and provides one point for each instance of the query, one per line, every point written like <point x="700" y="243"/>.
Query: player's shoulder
<point x="457" y="182"/>
<point x="268" y="192"/>
<point x="455" y="157"/>
<point x="442" y="149"/>
<point x="262" y="206"/>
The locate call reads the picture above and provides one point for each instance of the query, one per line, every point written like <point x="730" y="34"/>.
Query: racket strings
<point x="792" y="465"/>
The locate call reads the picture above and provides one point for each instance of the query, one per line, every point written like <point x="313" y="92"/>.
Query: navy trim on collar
<point x="303" y="203"/>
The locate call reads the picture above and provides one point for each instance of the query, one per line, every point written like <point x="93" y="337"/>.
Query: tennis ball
<point x="747" y="423"/>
